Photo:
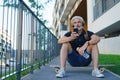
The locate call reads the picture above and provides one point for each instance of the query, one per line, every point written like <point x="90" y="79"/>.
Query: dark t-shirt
<point x="80" y="40"/>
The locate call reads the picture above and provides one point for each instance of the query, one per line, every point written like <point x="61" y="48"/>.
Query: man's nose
<point x="77" y="24"/>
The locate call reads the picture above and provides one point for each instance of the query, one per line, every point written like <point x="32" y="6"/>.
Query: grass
<point x="107" y="59"/>
<point x="25" y="72"/>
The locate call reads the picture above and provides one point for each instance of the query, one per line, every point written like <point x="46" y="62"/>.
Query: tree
<point x="36" y="5"/>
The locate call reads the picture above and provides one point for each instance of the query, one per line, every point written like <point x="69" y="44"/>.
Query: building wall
<point x="110" y="45"/>
<point x="111" y="16"/>
<point x="5" y="44"/>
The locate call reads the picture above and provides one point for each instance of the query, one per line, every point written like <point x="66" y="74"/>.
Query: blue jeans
<point x="76" y="59"/>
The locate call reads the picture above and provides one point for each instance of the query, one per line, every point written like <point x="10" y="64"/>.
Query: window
<point x="97" y="8"/>
<point x="63" y="27"/>
<point x="102" y="6"/>
<point x="107" y="4"/>
<point x="116" y="1"/>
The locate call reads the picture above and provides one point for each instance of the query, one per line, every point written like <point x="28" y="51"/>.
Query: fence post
<point x="32" y="43"/>
<point x="40" y="51"/>
<point x="19" y="41"/>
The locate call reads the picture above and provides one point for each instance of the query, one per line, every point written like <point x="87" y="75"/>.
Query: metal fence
<point x="25" y="42"/>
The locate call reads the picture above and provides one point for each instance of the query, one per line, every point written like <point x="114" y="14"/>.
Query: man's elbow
<point x="59" y="41"/>
<point x="98" y="40"/>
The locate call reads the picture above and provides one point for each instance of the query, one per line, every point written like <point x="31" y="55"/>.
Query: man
<point x="78" y="50"/>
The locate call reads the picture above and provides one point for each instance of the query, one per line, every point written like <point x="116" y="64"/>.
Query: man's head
<point x="77" y="21"/>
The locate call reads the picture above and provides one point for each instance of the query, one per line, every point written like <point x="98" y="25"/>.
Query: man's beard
<point x="79" y="27"/>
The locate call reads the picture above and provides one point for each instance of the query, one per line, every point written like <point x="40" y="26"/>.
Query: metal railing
<point x="25" y="42"/>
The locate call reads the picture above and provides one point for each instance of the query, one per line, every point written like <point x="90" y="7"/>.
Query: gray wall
<point x="110" y="45"/>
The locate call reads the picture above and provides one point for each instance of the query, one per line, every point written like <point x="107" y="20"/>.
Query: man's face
<point x="77" y="23"/>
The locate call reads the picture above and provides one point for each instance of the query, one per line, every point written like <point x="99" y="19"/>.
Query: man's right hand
<point x="74" y="35"/>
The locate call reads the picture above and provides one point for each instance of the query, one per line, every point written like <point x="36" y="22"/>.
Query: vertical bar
<point x="28" y="49"/>
<point x="19" y="41"/>
<point x="13" y="34"/>
<point x="1" y="72"/>
<point x="32" y="42"/>
<point x="9" y="42"/>
<point x="50" y="48"/>
<point x="44" y="47"/>
<point x="5" y="44"/>
<point x="23" y="43"/>
<point x="36" y="41"/>
<point x="39" y="54"/>
<point x="29" y="38"/>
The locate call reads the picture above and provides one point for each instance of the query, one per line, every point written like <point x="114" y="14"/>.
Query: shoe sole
<point x="98" y="77"/>
<point x="58" y="77"/>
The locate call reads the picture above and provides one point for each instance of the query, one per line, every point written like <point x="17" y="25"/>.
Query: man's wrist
<point x="88" y="43"/>
<point x="70" y="38"/>
<point x="77" y="48"/>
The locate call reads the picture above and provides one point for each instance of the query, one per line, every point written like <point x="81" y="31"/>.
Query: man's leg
<point x="95" y="53"/>
<point x="66" y="47"/>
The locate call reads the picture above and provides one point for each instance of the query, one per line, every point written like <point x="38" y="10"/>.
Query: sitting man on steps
<point x="79" y="50"/>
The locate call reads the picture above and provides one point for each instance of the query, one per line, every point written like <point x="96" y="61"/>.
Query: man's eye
<point x="75" y="22"/>
<point x="79" y="22"/>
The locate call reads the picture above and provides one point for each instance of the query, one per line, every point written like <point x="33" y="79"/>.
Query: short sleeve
<point x="90" y="33"/>
<point x="67" y="34"/>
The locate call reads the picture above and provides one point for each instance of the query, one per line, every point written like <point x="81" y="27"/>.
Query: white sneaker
<point x="97" y="73"/>
<point x="61" y="73"/>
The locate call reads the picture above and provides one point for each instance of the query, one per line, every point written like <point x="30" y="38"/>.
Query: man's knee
<point x="92" y="47"/>
<point x="66" y="46"/>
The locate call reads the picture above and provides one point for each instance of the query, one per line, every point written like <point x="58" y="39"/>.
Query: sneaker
<point x="97" y="73"/>
<point x="61" y="73"/>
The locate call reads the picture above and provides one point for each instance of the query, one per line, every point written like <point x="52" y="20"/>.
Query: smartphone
<point x="75" y="30"/>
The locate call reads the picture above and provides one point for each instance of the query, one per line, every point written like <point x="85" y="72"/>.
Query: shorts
<point x="76" y="59"/>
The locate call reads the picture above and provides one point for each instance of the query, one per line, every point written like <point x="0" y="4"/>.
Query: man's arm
<point x="94" y="40"/>
<point x="65" y="39"/>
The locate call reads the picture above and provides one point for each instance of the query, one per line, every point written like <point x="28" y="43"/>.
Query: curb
<point x="113" y="73"/>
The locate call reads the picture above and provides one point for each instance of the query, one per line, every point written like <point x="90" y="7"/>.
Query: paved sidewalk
<point x="47" y="73"/>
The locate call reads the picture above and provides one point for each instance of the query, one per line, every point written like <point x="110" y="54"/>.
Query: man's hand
<point x="82" y="49"/>
<point x="74" y="35"/>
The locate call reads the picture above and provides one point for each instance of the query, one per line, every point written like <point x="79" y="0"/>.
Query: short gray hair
<point x="78" y="17"/>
